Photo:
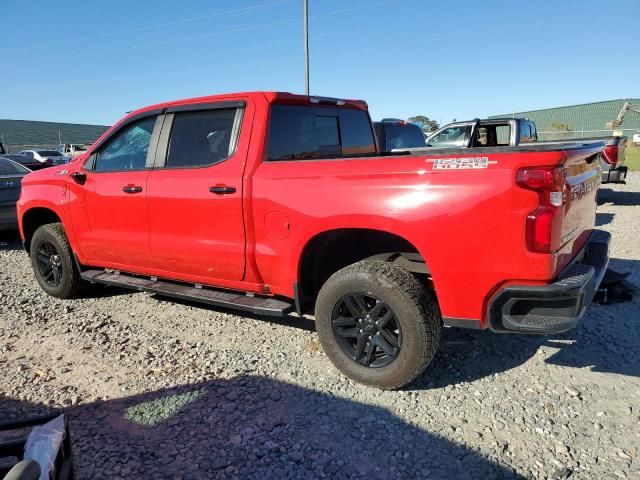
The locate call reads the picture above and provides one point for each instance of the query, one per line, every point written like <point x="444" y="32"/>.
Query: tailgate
<point x="582" y="176"/>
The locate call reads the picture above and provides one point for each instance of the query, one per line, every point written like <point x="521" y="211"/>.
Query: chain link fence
<point x="578" y="134"/>
<point x="18" y="147"/>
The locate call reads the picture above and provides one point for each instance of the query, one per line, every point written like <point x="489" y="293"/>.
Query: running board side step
<point x="220" y="298"/>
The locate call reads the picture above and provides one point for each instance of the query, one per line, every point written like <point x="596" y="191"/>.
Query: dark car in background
<point x="11" y="174"/>
<point x="394" y="134"/>
<point x="28" y="162"/>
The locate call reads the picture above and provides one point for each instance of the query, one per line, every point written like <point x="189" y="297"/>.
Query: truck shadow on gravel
<point x="9" y="241"/>
<point x="604" y="218"/>
<point x="616" y="197"/>
<point x="607" y="340"/>
<point x="255" y="427"/>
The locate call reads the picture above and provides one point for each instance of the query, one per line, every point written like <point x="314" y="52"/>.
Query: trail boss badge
<point x="461" y="163"/>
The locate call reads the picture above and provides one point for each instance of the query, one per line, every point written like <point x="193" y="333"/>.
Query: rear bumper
<point x="560" y="305"/>
<point x="615" y="175"/>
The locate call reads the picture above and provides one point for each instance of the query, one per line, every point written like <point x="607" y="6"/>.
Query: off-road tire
<point x="415" y="309"/>
<point x="71" y="284"/>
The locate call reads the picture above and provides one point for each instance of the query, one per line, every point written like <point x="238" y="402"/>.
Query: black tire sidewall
<point x="402" y="369"/>
<point x="45" y="234"/>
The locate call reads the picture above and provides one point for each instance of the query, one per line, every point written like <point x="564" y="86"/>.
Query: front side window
<point x="127" y="150"/>
<point x="201" y="138"/>
<point x="307" y="132"/>
<point x="451" y="137"/>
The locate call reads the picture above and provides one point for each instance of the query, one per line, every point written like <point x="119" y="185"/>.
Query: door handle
<point x="132" y="189"/>
<point x="79" y="177"/>
<point x="222" y="189"/>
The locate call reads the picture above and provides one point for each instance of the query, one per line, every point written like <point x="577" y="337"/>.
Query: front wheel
<point x="377" y="324"/>
<point x="53" y="263"/>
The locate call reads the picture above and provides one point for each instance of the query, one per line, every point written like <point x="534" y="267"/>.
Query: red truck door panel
<point x="194" y="197"/>
<point x="110" y="215"/>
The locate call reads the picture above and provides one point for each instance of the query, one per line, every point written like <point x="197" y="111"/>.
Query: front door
<point x="110" y="214"/>
<point x="194" y="194"/>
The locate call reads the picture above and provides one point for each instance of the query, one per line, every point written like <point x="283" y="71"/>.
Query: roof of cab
<point x="271" y="97"/>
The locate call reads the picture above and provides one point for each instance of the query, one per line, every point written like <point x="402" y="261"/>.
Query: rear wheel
<point x="378" y="324"/>
<point x="53" y="263"/>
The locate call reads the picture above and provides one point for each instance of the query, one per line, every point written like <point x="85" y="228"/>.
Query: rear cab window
<point x="404" y="135"/>
<point x="301" y="132"/>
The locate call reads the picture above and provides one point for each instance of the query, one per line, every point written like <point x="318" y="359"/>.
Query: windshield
<point x="7" y="167"/>
<point x="404" y="136"/>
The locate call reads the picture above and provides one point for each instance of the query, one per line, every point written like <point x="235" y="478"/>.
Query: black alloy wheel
<point x="366" y="329"/>
<point x="49" y="263"/>
<point x="53" y="263"/>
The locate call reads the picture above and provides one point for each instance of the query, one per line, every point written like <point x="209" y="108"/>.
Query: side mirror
<point x="79" y="177"/>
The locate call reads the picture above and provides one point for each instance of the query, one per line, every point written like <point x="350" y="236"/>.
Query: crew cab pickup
<point x="512" y="132"/>
<point x="273" y="203"/>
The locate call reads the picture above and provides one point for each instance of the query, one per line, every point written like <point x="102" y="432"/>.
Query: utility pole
<point x="306" y="46"/>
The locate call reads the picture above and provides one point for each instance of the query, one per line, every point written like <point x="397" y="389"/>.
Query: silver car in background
<point x="46" y="156"/>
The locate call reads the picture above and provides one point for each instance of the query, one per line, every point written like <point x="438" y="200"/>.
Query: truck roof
<point x="271" y="97"/>
<point x="499" y="119"/>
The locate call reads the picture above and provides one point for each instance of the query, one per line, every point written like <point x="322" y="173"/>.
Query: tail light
<point x="544" y="224"/>
<point x="610" y="154"/>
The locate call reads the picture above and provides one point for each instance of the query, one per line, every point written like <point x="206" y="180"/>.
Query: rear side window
<point x="200" y="139"/>
<point x="527" y="132"/>
<point x="503" y="135"/>
<point x="302" y="132"/>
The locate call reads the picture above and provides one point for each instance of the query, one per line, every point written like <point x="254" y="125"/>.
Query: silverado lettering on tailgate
<point x="461" y="163"/>
<point x="580" y="190"/>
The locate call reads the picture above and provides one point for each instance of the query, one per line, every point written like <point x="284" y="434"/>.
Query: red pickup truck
<point x="273" y="203"/>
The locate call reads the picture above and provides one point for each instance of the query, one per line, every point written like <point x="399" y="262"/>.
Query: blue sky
<point x="90" y="62"/>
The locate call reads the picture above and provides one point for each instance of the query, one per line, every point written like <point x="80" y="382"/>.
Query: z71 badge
<point x="461" y="163"/>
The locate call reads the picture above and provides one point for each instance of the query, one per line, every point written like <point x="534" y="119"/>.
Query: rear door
<point x="108" y="197"/>
<point x="194" y="197"/>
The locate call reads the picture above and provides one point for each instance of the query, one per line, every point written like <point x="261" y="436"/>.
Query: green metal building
<point x="585" y="120"/>
<point x="17" y="135"/>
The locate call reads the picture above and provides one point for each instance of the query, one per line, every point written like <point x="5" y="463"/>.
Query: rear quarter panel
<point x="469" y="225"/>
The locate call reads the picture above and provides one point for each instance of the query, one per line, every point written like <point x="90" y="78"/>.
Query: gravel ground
<point x="158" y="389"/>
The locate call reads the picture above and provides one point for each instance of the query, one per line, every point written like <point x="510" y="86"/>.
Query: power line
<point x="345" y="51"/>
<point x="447" y="22"/>
<point x="194" y="37"/>
<point x="150" y="27"/>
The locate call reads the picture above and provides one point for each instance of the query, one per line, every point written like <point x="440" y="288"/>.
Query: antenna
<point x="306" y="46"/>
